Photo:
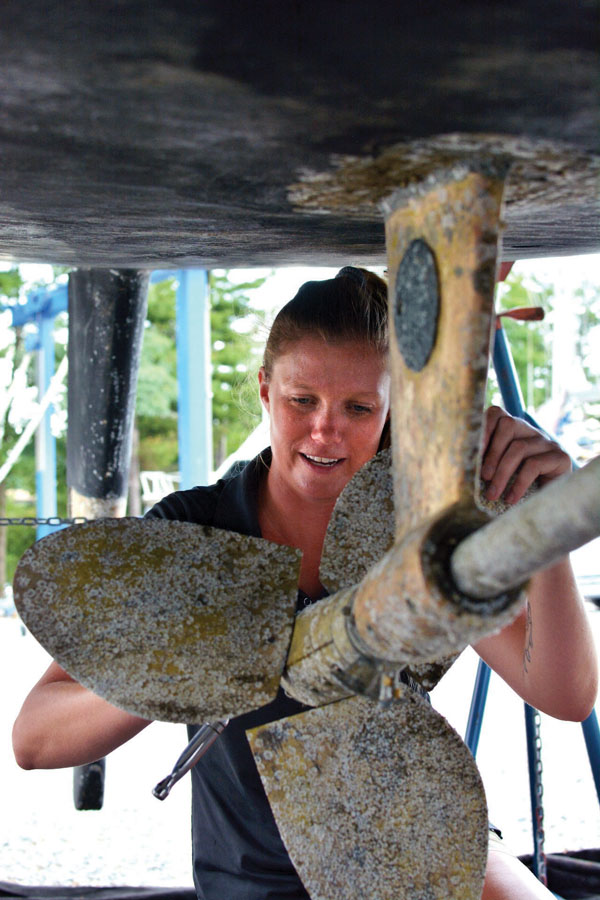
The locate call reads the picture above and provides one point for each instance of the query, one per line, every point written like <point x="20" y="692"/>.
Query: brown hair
<point x="350" y="307"/>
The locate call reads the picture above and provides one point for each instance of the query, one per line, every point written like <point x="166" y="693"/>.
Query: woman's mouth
<point x="325" y="462"/>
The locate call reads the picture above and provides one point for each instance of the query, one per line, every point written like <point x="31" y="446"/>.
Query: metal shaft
<point x="506" y="552"/>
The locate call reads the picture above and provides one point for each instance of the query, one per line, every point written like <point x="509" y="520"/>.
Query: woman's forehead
<point x="322" y="348"/>
<point x="315" y="360"/>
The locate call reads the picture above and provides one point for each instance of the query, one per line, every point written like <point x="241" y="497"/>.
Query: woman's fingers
<point x="543" y="466"/>
<point x="515" y="448"/>
<point x="502" y="433"/>
<point x="492" y="416"/>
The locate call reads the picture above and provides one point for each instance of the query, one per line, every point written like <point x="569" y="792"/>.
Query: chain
<point x="540" y="856"/>
<point x="32" y="521"/>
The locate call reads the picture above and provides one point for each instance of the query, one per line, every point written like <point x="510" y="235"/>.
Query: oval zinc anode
<point x="417" y="303"/>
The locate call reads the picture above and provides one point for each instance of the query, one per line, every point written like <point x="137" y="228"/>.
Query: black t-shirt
<point x="237" y="850"/>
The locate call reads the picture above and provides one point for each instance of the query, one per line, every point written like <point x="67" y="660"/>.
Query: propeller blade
<point x="376" y="802"/>
<point x="360" y="532"/>
<point x="167" y="620"/>
<point x="361" y="527"/>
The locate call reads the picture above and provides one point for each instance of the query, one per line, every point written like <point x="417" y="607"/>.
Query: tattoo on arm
<point x="527" y="653"/>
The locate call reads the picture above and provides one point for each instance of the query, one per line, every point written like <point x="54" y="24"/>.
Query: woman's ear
<point x="263" y="387"/>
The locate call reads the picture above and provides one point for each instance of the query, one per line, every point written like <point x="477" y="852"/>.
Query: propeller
<point x="406" y="611"/>
<point x="180" y="622"/>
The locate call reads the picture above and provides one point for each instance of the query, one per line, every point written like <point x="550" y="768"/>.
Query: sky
<point x="566" y="272"/>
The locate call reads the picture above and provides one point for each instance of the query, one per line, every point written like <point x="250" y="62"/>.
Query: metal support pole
<point x="506" y="374"/>
<point x="107" y="311"/>
<point x="591" y="734"/>
<point x="536" y="791"/>
<point x="477" y="709"/>
<point x="508" y="381"/>
<point x="45" y="443"/>
<point x="194" y="378"/>
<point x="513" y="401"/>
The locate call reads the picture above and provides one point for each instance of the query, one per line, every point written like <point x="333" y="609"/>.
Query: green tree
<point x="530" y="342"/>
<point x="156" y="404"/>
<point x="14" y="369"/>
<point x="236" y="341"/>
<point x="588" y="329"/>
<point x="235" y="328"/>
<point x="587" y="310"/>
<point x="17" y="375"/>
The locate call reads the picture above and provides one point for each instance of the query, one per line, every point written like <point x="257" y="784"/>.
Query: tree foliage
<point x="588" y="343"/>
<point x="10" y="284"/>
<point x="156" y="403"/>
<point x="530" y="342"/>
<point x="234" y="327"/>
<point x="13" y="541"/>
<point x="588" y="322"/>
<point x="19" y="394"/>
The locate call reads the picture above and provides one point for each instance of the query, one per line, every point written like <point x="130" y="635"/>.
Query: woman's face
<point x="327" y="405"/>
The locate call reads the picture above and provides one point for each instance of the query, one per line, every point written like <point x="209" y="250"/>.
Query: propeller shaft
<point x="532" y="536"/>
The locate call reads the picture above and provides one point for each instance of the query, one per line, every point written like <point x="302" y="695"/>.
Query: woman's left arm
<point x="547" y="655"/>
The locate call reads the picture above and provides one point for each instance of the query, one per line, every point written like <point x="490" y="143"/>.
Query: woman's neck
<point x="295" y="522"/>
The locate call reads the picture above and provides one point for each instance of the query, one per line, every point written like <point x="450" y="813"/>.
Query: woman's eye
<point x="360" y="409"/>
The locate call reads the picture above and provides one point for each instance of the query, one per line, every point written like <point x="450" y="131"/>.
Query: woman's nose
<point x="326" y="425"/>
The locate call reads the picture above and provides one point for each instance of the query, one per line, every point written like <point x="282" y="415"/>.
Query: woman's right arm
<point x="62" y="724"/>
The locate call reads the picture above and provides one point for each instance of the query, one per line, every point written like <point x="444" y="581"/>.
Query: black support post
<point x="107" y="311"/>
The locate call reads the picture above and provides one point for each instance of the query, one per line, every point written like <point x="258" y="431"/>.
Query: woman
<point x="325" y="385"/>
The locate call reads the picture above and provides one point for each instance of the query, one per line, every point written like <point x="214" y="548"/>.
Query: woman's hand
<point x="513" y="447"/>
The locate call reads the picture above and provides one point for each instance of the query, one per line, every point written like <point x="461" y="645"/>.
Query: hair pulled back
<point x="350" y="307"/>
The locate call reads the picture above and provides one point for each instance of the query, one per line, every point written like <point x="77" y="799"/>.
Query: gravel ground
<point x="137" y="840"/>
<point x="134" y="839"/>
